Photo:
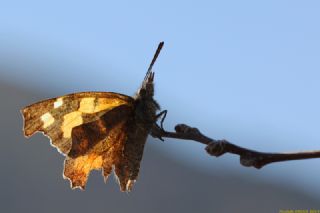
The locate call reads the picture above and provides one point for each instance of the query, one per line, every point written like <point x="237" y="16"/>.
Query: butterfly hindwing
<point x="112" y="141"/>
<point x="57" y="117"/>
<point x="99" y="144"/>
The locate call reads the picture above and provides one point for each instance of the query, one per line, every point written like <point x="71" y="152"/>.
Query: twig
<point x="217" y="148"/>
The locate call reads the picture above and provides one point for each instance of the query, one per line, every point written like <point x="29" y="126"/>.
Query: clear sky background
<point x="246" y="71"/>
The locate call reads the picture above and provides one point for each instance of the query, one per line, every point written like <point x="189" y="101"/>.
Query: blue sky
<point x="246" y="71"/>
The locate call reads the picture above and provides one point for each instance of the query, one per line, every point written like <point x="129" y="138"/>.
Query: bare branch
<point x="248" y="158"/>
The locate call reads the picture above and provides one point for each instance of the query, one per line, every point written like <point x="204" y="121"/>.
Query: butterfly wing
<point x="100" y="144"/>
<point x="57" y="117"/>
<point x="94" y="130"/>
<point x="115" y="140"/>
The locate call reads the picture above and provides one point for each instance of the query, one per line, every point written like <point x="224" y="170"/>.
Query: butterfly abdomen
<point x="138" y="130"/>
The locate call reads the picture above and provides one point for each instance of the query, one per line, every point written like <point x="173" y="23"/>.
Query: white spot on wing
<point x="47" y="119"/>
<point x="58" y="103"/>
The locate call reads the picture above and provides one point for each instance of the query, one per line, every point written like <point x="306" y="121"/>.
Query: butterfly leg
<point x="155" y="132"/>
<point x="162" y="114"/>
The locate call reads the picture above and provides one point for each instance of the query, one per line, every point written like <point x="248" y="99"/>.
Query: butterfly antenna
<point x="154" y="60"/>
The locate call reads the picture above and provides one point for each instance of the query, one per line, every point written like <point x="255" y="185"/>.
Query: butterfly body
<point x="97" y="130"/>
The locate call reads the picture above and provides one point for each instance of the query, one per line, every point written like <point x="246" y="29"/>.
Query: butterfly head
<point x="147" y="87"/>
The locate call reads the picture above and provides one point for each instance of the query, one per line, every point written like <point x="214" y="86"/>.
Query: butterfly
<point x="98" y="130"/>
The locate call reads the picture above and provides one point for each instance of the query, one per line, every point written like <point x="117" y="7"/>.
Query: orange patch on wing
<point x="105" y="103"/>
<point x="93" y="105"/>
<point x="87" y="105"/>
<point x="77" y="170"/>
<point x="71" y="120"/>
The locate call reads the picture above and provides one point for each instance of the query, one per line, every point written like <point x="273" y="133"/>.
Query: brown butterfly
<point x="98" y="130"/>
